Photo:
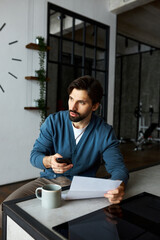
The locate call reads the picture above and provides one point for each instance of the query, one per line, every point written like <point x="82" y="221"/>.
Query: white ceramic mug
<point x="50" y="195"/>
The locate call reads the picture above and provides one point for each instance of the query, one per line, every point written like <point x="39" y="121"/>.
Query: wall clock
<point x="13" y="75"/>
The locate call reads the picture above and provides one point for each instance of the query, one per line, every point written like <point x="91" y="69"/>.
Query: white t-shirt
<point x="78" y="132"/>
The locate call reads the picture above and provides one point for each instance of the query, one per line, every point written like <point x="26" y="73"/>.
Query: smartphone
<point x="64" y="160"/>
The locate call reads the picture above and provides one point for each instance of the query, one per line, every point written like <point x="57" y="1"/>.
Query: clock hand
<point x="2" y="26"/>
<point x="13" y="42"/>
<point x="1" y="88"/>
<point x="12" y="75"/>
<point x="16" y="59"/>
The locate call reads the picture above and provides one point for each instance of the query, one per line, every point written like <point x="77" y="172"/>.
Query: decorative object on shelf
<point x="41" y="74"/>
<point x="41" y="44"/>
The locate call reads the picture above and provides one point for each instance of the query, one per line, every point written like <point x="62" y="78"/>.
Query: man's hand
<point x="116" y="195"/>
<point x="60" y="168"/>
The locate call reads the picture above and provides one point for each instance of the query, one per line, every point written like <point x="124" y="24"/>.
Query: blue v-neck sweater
<point x="98" y="141"/>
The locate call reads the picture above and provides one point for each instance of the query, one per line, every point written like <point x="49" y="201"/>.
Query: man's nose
<point x="74" y="106"/>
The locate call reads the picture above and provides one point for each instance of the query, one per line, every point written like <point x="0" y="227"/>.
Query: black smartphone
<point x="64" y="160"/>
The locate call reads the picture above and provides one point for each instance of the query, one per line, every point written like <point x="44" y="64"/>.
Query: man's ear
<point x="95" y="107"/>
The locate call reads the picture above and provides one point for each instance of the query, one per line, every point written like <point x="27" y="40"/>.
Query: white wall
<point x="26" y="19"/>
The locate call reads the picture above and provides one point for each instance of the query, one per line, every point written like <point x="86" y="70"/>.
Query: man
<point x="82" y="136"/>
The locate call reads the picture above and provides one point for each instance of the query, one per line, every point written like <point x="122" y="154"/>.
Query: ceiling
<point x="142" y="23"/>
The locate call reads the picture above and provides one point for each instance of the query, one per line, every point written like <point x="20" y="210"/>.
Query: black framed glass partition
<point x="79" y="46"/>
<point x="137" y="89"/>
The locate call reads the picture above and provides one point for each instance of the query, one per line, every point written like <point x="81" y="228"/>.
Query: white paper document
<point x="88" y="187"/>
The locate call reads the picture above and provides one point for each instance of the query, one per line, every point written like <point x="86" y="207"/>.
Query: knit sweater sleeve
<point x="113" y="159"/>
<point x="43" y="145"/>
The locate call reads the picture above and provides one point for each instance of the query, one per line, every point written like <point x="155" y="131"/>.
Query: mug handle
<point x="37" y="193"/>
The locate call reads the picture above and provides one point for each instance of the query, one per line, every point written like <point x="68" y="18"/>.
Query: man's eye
<point x="82" y="103"/>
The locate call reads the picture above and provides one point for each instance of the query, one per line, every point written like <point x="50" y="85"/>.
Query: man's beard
<point x="78" y="118"/>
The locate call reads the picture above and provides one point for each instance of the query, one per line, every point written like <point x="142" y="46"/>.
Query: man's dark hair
<point x="91" y="85"/>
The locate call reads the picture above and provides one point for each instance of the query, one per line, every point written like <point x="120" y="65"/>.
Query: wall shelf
<point x="35" y="46"/>
<point x="34" y="78"/>
<point x="33" y="108"/>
